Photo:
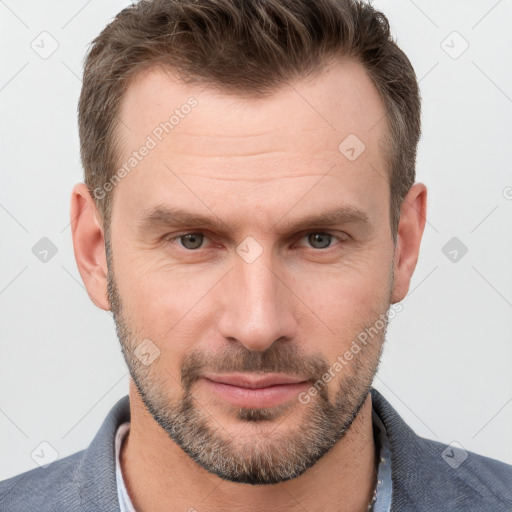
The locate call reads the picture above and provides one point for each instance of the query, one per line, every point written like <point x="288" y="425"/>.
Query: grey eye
<point x="322" y="239"/>
<point x="191" y="240"/>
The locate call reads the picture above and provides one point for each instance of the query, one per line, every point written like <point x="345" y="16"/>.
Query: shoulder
<point x="430" y="475"/>
<point x="51" y="488"/>
<point x="84" y="481"/>
<point x="488" y="479"/>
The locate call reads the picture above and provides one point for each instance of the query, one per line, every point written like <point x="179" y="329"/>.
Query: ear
<point x="413" y="215"/>
<point x="89" y="245"/>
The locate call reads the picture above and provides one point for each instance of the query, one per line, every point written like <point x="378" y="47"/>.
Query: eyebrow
<point x="163" y="216"/>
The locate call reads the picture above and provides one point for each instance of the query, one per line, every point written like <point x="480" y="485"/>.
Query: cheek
<point x="165" y="304"/>
<point x="342" y="302"/>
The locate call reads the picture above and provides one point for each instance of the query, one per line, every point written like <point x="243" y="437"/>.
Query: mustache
<point x="278" y="358"/>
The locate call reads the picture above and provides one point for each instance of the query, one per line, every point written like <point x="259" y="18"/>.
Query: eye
<point x="190" y="241"/>
<point x="320" y="240"/>
<point x="194" y="240"/>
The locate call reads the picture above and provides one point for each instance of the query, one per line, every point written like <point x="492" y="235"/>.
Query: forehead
<point x="339" y="101"/>
<point x="215" y="143"/>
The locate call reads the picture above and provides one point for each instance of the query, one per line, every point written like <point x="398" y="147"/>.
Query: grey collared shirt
<point x="384" y="483"/>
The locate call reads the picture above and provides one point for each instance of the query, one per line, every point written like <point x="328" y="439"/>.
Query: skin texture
<point x="257" y="166"/>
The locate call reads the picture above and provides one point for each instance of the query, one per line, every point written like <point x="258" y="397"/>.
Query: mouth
<point x="245" y="390"/>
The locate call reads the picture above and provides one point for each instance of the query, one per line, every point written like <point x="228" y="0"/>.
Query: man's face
<point x="257" y="293"/>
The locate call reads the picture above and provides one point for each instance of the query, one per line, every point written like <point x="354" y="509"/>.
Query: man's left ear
<point x="413" y="215"/>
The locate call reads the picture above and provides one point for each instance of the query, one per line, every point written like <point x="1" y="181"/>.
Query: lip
<point x="245" y="380"/>
<point x="244" y="390"/>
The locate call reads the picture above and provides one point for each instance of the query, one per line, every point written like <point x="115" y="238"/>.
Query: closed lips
<point x="249" y="382"/>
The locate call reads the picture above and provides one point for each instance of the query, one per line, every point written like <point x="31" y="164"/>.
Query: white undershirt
<point x="124" y="500"/>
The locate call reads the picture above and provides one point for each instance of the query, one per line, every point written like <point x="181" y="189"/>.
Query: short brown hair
<point x="246" y="47"/>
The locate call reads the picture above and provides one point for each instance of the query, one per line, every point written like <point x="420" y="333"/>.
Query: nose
<point x="257" y="305"/>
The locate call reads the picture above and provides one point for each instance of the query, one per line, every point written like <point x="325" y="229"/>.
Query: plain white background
<point x="447" y="363"/>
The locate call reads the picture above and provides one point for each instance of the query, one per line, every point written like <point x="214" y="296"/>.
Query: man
<point x="250" y="217"/>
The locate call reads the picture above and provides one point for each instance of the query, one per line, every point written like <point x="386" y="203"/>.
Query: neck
<point x="160" y="476"/>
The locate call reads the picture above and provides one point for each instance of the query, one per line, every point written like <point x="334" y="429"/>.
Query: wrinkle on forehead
<point x="302" y="117"/>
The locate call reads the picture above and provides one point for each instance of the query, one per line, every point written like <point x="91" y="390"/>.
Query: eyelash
<point x="170" y="239"/>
